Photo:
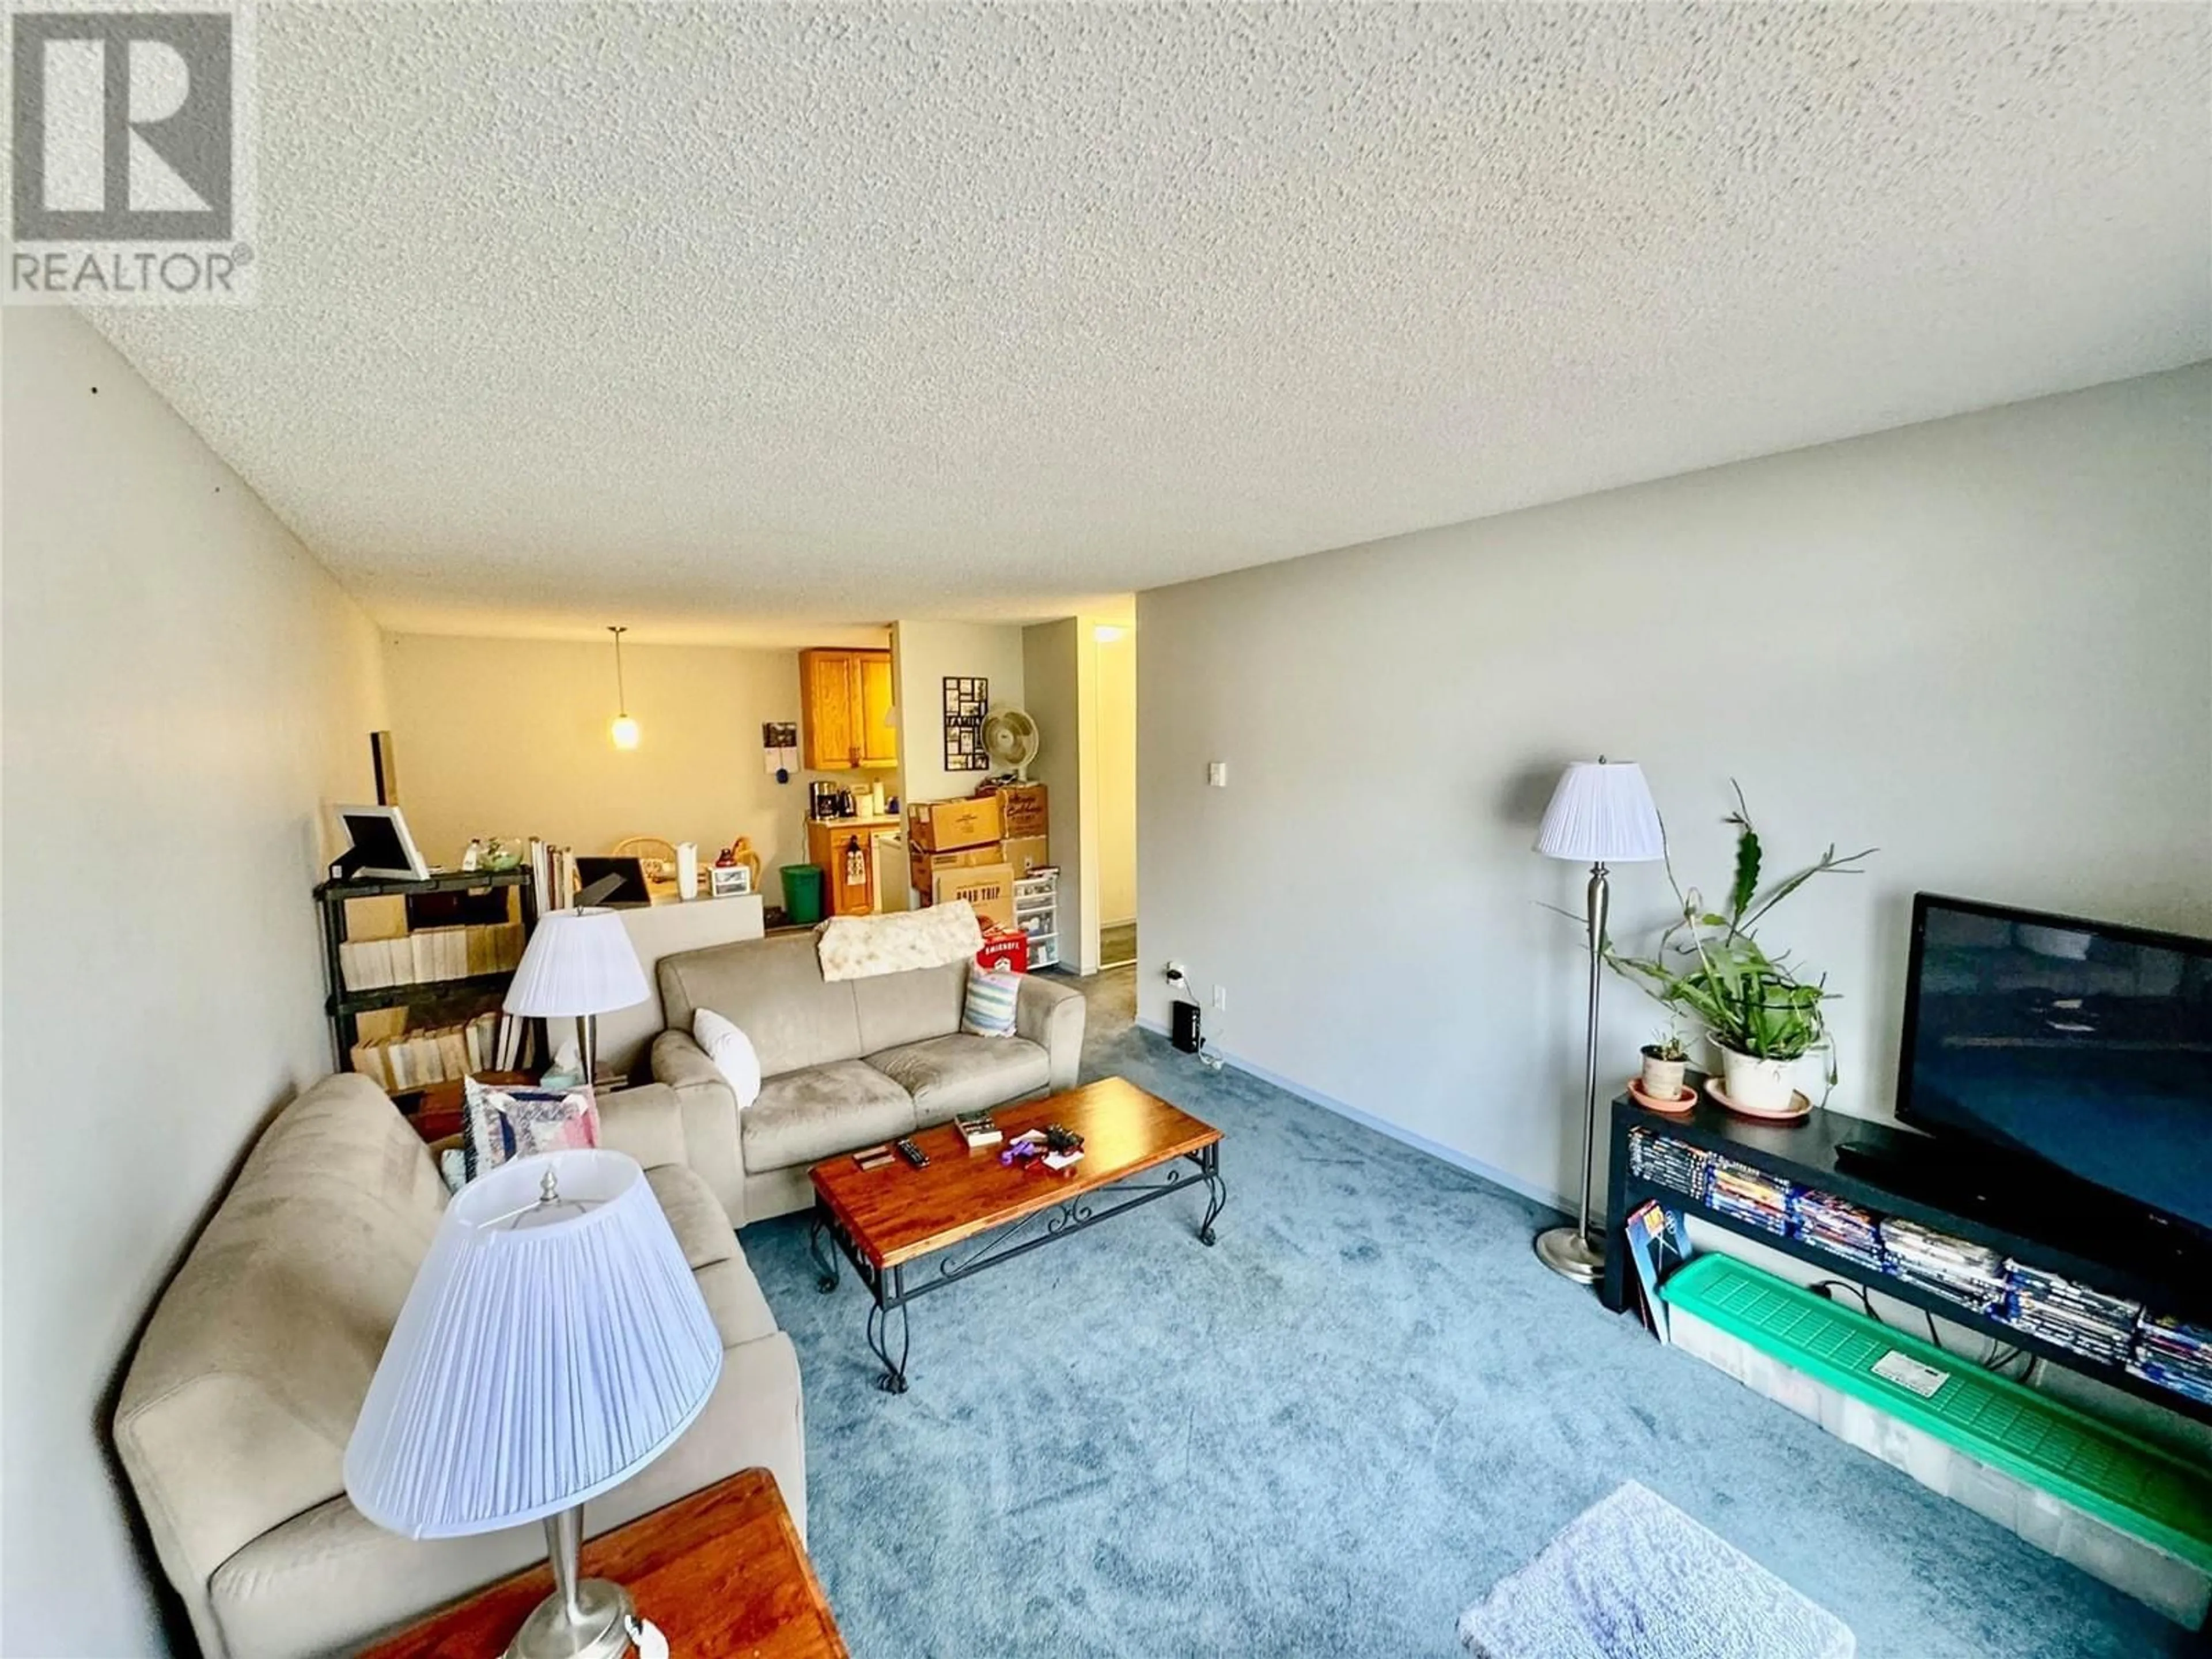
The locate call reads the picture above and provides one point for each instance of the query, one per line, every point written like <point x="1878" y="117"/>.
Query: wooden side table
<point x="721" y="1572"/>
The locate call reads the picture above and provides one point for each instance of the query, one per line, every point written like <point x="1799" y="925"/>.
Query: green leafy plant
<point x="1709" y="968"/>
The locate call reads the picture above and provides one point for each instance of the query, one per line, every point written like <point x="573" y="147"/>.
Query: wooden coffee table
<point x="889" y="1220"/>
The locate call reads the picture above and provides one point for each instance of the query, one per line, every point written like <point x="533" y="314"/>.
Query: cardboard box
<point x="923" y="869"/>
<point x="947" y="826"/>
<point x="1026" y="852"/>
<point x="989" y="887"/>
<point x="1004" y="952"/>
<point x="1021" y="809"/>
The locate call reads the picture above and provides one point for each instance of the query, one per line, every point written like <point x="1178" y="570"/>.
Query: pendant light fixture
<point x="624" y="730"/>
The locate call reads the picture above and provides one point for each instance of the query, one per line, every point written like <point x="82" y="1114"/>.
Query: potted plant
<point x="1664" y="1058"/>
<point x="1765" y="1015"/>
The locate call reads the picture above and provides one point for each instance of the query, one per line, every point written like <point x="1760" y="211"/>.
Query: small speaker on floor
<point x="1186" y="1027"/>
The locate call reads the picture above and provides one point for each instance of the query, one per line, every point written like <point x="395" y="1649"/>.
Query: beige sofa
<point x="234" y="1417"/>
<point x="845" y="1063"/>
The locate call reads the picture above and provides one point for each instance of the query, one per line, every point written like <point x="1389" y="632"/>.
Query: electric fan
<point x="1009" y="737"/>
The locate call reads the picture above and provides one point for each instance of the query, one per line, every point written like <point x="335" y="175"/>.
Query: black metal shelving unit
<point x="1806" y="1154"/>
<point x="344" y="1007"/>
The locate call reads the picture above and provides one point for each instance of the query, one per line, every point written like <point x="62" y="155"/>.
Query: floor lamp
<point x="1601" y="811"/>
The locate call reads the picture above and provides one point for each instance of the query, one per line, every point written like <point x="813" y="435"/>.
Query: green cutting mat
<point x="2129" y="1483"/>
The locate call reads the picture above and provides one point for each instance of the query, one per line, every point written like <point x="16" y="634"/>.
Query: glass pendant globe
<point x="625" y="732"/>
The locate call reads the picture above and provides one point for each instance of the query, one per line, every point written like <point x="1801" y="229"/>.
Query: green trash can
<point x="802" y="894"/>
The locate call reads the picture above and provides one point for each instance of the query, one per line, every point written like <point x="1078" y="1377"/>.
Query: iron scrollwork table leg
<point x="889" y="1300"/>
<point x="1217" y="1190"/>
<point x="825" y="1261"/>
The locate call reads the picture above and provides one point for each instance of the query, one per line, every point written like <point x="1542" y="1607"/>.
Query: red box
<point x="1004" y="952"/>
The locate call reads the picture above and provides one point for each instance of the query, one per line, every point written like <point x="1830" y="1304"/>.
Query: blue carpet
<point x="1330" y="1434"/>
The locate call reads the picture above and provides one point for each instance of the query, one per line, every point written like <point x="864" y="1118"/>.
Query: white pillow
<point x="731" y="1051"/>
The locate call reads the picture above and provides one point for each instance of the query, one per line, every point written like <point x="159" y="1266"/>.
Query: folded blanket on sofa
<point x="860" y="947"/>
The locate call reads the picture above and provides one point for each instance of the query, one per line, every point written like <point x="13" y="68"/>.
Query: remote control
<point x="912" y="1153"/>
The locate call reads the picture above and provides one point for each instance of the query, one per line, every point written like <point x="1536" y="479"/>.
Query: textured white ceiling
<point x="717" y="317"/>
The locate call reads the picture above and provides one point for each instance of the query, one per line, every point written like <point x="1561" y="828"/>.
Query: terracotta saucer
<point x="1678" y="1107"/>
<point x="1799" y="1106"/>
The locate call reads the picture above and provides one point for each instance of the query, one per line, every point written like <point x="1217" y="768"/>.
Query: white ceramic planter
<point x="1756" y="1084"/>
<point x="1662" y="1079"/>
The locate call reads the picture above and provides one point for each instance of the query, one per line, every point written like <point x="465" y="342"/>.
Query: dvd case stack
<point x="1844" y="1229"/>
<point x="1666" y="1161"/>
<point x="1967" y="1273"/>
<point x="1750" y="1195"/>
<point x="2085" y="1322"/>
<point x="2174" y="1356"/>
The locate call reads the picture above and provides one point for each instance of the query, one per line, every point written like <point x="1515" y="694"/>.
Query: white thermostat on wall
<point x="1217" y="774"/>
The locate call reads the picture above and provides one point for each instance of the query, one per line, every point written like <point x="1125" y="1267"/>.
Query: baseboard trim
<point x="1403" y="1136"/>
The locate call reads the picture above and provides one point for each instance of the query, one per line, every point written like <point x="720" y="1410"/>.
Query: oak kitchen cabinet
<point x="845" y="850"/>
<point x="845" y="702"/>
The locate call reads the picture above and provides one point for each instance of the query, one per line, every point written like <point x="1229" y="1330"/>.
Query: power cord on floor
<point x="1207" y="1056"/>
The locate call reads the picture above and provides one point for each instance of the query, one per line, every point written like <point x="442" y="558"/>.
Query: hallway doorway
<point x="1117" y="646"/>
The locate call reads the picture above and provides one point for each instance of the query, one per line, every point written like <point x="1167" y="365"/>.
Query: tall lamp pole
<point x="1602" y="811"/>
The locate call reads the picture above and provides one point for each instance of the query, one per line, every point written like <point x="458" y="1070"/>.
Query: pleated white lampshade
<point x="578" y="961"/>
<point x="1602" y="813"/>
<point x="546" y="1351"/>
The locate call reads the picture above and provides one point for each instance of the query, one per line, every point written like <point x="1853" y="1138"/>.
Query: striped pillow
<point x="991" y="996"/>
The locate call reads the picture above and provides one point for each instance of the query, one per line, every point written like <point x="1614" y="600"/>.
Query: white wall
<point x="1982" y="644"/>
<point x="1117" y="774"/>
<point x="923" y="653"/>
<point x="186" y="690"/>
<point x="509" y="737"/>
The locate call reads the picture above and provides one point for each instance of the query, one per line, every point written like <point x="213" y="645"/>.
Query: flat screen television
<point x="2083" y="1046"/>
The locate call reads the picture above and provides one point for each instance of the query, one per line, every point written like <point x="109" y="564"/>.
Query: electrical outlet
<point x="1217" y="774"/>
<point x="1221" y="999"/>
<point x="1175" y="973"/>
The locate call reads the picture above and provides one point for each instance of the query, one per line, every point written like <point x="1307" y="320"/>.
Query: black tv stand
<point x="1972" y="1193"/>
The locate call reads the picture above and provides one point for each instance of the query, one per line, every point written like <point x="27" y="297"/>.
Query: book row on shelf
<point x="2112" y="1330"/>
<point x="553" y="877"/>
<point x="443" y="1054"/>
<point x="430" y="954"/>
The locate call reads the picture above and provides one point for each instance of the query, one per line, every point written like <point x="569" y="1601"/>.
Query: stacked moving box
<point x="977" y="848"/>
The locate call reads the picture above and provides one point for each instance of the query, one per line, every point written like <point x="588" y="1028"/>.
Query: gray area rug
<point x="1633" y="1577"/>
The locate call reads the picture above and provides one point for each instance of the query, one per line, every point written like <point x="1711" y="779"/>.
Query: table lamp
<point x="553" y="1344"/>
<point x="1602" y="810"/>
<point x="580" y="964"/>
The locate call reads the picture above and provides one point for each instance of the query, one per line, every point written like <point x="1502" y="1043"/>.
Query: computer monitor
<point x="628" y="875"/>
